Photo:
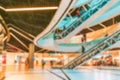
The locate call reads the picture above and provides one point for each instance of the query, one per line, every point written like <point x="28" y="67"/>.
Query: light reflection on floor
<point x="92" y="75"/>
<point x="18" y="73"/>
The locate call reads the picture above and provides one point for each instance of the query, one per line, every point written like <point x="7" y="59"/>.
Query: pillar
<point x="31" y="56"/>
<point x="119" y="58"/>
<point x="19" y="59"/>
<point x="4" y="44"/>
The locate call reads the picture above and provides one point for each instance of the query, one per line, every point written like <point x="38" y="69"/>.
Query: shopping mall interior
<point x="59" y="39"/>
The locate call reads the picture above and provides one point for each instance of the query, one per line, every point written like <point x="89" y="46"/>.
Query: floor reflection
<point x="19" y="72"/>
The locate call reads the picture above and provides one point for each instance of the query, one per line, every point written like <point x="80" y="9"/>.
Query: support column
<point x="4" y="44"/>
<point x="19" y="59"/>
<point x="119" y="58"/>
<point x="31" y="56"/>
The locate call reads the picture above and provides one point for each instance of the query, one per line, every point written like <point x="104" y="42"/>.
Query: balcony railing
<point x="63" y="33"/>
<point x="105" y="44"/>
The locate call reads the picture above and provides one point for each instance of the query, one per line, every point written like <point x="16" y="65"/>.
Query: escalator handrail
<point x="91" y="49"/>
<point x="81" y="17"/>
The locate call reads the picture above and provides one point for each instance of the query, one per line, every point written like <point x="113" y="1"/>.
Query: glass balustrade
<point x="63" y="33"/>
<point x="105" y="44"/>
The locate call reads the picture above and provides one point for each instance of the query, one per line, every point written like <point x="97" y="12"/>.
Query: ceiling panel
<point x="27" y="22"/>
<point x="96" y="27"/>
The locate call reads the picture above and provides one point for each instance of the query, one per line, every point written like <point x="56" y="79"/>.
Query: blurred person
<point x="43" y="63"/>
<point x="78" y="13"/>
<point x="51" y="63"/>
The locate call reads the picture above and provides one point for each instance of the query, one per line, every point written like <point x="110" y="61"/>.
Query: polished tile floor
<point x="22" y="73"/>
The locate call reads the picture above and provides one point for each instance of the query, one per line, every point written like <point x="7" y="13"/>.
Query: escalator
<point x="103" y="45"/>
<point x="84" y="20"/>
<point x="62" y="11"/>
<point x="48" y="42"/>
<point x="113" y="12"/>
<point x="80" y="3"/>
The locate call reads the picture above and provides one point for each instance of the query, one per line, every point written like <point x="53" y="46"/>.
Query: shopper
<point x="27" y="61"/>
<point x="43" y="63"/>
<point x="83" y="49"/>
<point x="51" y="63"/>
<point x="78" y="13"/>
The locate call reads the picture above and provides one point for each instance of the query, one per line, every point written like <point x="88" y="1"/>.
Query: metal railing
<point x="94" y="50"/>
<point x="63" y="33"/>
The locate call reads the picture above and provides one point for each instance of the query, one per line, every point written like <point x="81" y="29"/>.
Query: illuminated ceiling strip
<point x="19" y="40"/>
<point x="4" y="38"/>
<point x="2" y="8"/>
<point x="20" y="30"/>
<point x="20" y="33"/>
<point x="5" y="28"/>
<point x="30" y="9"/>
<point x="14" y="46"/>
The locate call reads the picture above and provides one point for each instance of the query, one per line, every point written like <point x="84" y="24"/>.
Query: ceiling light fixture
<point x="30" y="9"/>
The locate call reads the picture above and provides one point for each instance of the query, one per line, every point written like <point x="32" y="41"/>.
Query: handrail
<point x="57" y="75"/>
<point x="80" y="20"/>
<point x="65" y="47"/>
<point x="106" y="39"/>
<point x="96" y="47"/>
<point x="64" y="7"/>
<point x="79" y="44"/>
<point x="83" y="53"/>
<point x="65" y="74"/>
<point x="81" y="3"/>
<point x="113" y="11"/>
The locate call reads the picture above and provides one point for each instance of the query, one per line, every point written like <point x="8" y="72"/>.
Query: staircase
<point x="103" y="45"/>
